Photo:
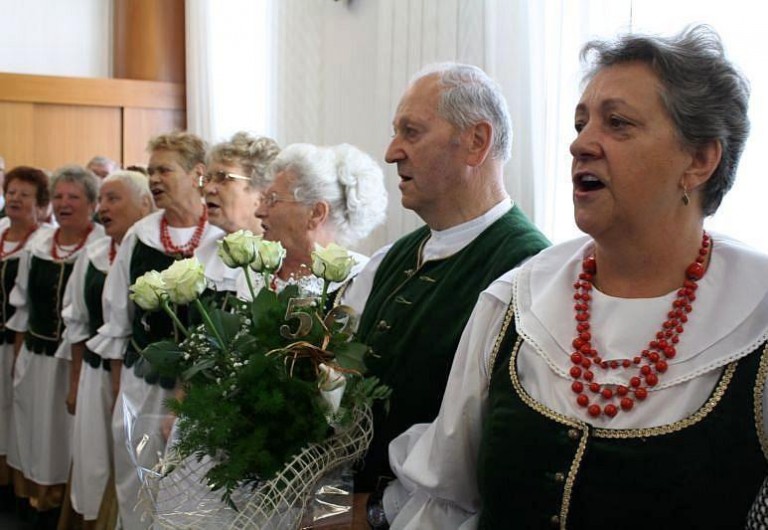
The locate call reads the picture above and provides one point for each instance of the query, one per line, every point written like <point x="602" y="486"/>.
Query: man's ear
<point x="479" y="138"/>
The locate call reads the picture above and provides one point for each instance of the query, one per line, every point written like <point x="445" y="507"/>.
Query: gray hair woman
<point x="234" y="180"/>
<point x="124" y="198"/>
<point x="320" y="195"/>
<point x="232" y="185"/>
<point x="42" y="355"/>
<point x="605" y="373"/>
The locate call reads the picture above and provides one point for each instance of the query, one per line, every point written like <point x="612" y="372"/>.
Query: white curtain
<point x="229" y="67"/>
<point x="342" y="67"/>
<point x="328" y="72"/>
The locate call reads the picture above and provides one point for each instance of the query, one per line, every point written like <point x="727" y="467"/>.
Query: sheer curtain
<point x="342" y="67"/>
<point x="229" y="67"/>
<point x="563" y="27"/>
<point x="743" y="213"/>
<point x="328" y="72"/>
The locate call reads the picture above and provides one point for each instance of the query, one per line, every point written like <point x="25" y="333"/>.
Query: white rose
<point x="332" y="386"/>
<point x="238" y="249"/>
<point x="149" y="291"/>
<point x="184" y="280"/>
<point x="332" y="263"/>
<point x="269" y="256"/>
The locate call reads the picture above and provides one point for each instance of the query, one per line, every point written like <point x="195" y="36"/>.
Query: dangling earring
<point x="686" y="198"/>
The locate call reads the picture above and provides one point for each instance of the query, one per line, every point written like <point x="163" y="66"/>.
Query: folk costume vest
<point x="540" y="469"/>
<point x="47" y="281"/>
<point x="93" y="288"/>
<point x="414" y="317"/>
<point x="8" y="270"/>
<point x="149" y="327"/>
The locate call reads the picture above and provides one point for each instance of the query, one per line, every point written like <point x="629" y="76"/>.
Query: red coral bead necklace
<point x="187" y="249"/>
<point x="55" y="245"/>
<point x="19" y="245"/>
<point x="651" y="363"/>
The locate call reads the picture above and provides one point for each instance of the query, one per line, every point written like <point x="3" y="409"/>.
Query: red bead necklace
<point x="19" y="245"/>
<point x="187" y="249"/>
<point x="651" y="363"/>
<point x="55" y="245"/>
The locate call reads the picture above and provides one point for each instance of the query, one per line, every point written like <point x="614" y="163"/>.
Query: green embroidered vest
<point x="8" y="270"/>
<point x="47" y="280"/>
<point x="415" y="315"/>
<point x="149" y="327"/>
<point x="92" y="291"/>
<point x="541" y="470"/>
<point x="93" y="288"/>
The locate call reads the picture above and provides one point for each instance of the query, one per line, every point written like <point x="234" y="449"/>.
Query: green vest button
<point x="383" y="326"/>
<point x="559" y="477"/>
<point x="573" y="434"/>
<point x="555" y="521"/>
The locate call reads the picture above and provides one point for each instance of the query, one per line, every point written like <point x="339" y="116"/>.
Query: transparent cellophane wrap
<point x="314" y="487"/>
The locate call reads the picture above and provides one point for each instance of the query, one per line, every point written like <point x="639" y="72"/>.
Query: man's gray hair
<point x="704" y="94"/>
<point x="469" y="96"/>
<point x="104" y="161"/>
<point x="349" y="180"/>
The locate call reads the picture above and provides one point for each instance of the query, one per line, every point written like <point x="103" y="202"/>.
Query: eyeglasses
<point x="272" y="198"/>
<point x="220" y="177"/>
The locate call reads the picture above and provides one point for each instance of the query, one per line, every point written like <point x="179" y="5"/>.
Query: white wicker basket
<point x="181" y="499"/>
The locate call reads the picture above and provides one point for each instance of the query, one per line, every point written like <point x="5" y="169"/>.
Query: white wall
<point x="56" y="37"/>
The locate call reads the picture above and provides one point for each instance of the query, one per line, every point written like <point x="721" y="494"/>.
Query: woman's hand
<point x="72" y="399"/>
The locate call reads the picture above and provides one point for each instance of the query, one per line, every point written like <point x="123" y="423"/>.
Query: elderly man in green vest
<point x="452" y="136"/>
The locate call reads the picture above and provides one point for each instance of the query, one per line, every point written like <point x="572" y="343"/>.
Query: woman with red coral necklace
<point x="26" y="192"/>
<point x="124" y="198"/>
<point x="176" y="164"/>
<point x="616" y="381"/>
<point x="42" y="425"/>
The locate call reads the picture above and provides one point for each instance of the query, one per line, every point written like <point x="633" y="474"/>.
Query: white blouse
<point x="436" y="463"/>
<point x="112" y="339"/>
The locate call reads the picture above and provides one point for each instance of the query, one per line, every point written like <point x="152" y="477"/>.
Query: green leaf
<point x="350" y="355"/>
<point x="164" y="356"/>
<point x="227" y="324"/>
<point x="197" y="368"/>
<point x="263" y="307"/>
<point x="290" y="291"/>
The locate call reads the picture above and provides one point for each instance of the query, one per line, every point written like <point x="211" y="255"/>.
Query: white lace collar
<point x="40" y="243"/>
<point x="729" y="319"/>
<point x="98" y="253"/>
<point x="147" y="230"/>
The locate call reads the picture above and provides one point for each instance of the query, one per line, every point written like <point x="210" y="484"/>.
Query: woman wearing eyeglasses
<point x="176" y="162"/>
<point x="317" y="196"/>
<point x="232" y="188"/>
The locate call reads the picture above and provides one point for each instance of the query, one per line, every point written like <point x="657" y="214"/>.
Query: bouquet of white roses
<point x="265" y="383"/>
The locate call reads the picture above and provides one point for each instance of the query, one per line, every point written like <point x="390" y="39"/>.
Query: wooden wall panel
<point x="139" y="125"/>
<point x="48" y="121"/>
<point x="91" y="91"/>
<point x="67" y="134"/>
<point x="16" y="133"/>
<point x="149" y="40"/>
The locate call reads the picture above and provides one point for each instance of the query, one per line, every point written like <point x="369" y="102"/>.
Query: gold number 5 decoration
<point x="305" y="319"/>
